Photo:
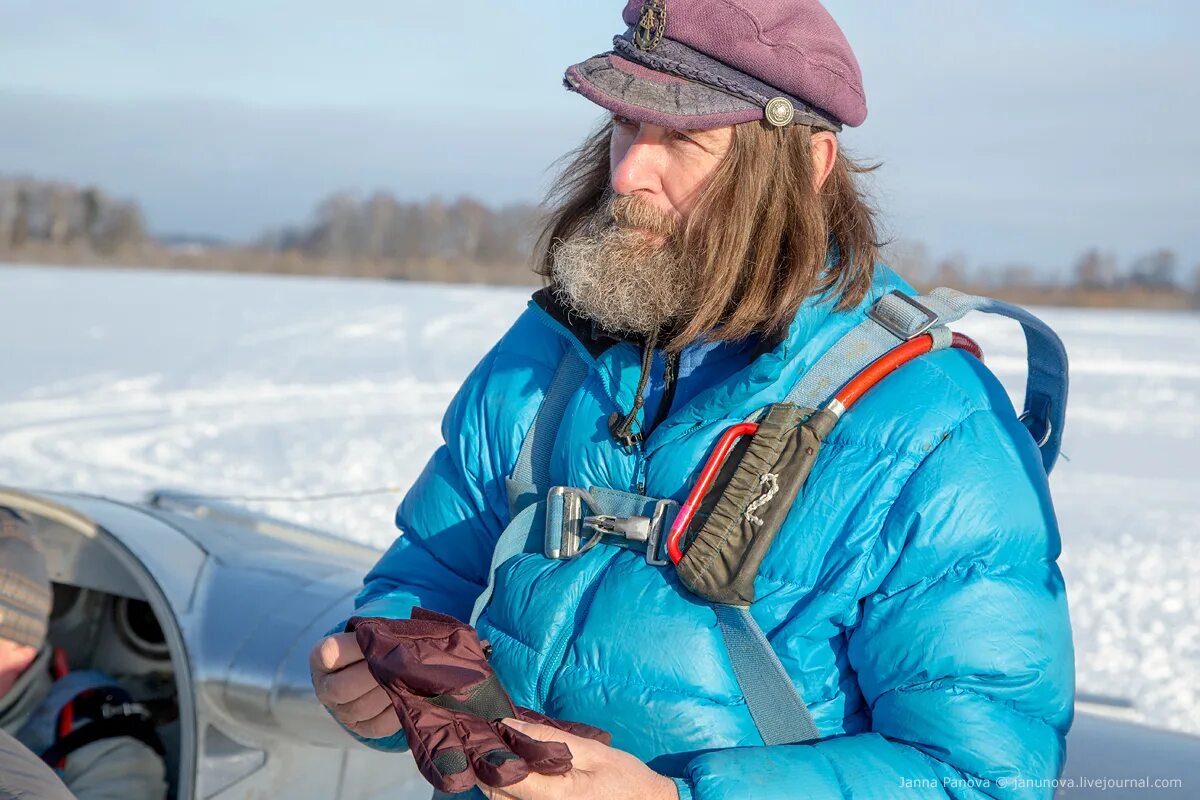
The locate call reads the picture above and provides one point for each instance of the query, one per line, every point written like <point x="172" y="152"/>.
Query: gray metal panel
<point x="239" y="632"/>
<point x="1123" y="752"/>
<point x="291" y="703"/>
<point x="231" y="532"/>
<point x="162" y="564"/>
<point x="172" y="558"/>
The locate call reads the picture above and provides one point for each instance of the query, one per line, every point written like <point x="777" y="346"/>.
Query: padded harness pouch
<point x="748" y="503"/>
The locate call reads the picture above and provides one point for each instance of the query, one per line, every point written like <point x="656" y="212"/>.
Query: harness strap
<point x="898" y="316"/>
<point x="530" y="530"/>
<point x="530" y="479"/>
<point x="776" y="707"/>
<point x="525" y="534"/>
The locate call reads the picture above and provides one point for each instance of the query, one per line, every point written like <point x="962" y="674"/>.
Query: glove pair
<point x="450" y="703"/>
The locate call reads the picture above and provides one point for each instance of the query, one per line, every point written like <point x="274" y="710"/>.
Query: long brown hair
<point x="760" y="233"/>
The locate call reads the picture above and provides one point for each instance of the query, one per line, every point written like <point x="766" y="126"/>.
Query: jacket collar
<point x="594" y="337"/>
<point x="774" y="369"/>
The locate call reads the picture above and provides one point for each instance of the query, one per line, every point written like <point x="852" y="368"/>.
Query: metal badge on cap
<point x="780" y="112"/>
<point x="649" y="31"/>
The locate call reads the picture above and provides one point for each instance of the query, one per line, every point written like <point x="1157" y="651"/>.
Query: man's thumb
<point x="543" y="733"/>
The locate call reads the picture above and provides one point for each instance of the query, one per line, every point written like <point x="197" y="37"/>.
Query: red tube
<point x="707" y="475"/>
<point x="892" y="360"/>
<point x="881" y="368"/>
<point x="964" y="342"/>
<point x="886" y="364"/>
<point x="66" y="718"/>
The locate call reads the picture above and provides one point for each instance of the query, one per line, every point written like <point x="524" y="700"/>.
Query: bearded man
<point x="706" y="248"/>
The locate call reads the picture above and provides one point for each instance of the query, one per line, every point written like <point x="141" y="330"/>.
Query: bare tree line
<point x="464" y="240"/>
<point x="62" y="215"/>
<point x="1156" y="278"/>
<point x="383" y="230"/>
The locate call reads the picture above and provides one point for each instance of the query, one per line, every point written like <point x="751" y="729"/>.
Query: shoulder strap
<point x="530" y="479"/>
<point x="776" y="707"/>
<point x="523" y="535"/>
<point x="897" y="316"/>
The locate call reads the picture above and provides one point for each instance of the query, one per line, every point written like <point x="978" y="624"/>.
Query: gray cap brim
<point x="644" y="95"/>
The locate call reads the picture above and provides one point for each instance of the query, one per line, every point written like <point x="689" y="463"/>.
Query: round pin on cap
<point x="780" y="111"/>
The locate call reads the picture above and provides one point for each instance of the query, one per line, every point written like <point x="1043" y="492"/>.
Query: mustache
<point x="627" y="211"/>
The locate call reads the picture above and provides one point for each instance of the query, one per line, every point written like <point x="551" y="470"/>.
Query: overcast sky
<point x="1009" y="131"/>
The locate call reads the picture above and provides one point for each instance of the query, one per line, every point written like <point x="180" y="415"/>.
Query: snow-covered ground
<point x="118" y="381"/>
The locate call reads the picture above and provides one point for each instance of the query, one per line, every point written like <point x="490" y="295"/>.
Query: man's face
<point x="14" y="659"/>
<point x="664" y="168"/>
<point x="627" y="268"/>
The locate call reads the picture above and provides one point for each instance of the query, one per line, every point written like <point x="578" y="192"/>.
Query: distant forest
<point x="56" y="215"/>
<point x="464" y="240"/>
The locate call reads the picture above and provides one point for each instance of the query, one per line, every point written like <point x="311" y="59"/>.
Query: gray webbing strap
<point x="776" y="707"/>
<point x="525" y="534"/>
<point x="530" y="479"/>
<point x="897" y="316"/>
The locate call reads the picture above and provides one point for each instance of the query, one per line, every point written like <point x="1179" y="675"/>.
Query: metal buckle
<point x="564" y="543"/>
<point x="111" y="710"/>
<point x="658" y="524"/>
<point x="1026" y="418"/>
<point x="566" y="540"/>
<point x="931" y="318"/>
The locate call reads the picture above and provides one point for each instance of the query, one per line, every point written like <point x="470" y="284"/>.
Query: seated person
<point x="23" y="776"/>
<point x="82" y="724"/>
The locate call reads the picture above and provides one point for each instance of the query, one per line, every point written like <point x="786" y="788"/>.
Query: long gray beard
<point x="617" y="276"/>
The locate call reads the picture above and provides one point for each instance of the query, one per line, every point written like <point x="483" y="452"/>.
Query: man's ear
<point x="824" y="154"/>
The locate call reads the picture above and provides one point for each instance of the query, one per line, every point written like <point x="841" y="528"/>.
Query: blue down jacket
<point x="912" y="595"/>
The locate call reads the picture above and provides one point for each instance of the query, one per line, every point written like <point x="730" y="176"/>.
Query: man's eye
<point x="680" y="136"/>
<point x="624" y="122"/>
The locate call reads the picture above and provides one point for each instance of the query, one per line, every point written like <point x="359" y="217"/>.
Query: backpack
<point x="716" y="539"/>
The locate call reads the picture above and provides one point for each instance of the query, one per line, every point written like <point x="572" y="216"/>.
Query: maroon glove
<point x="450" y="703"/>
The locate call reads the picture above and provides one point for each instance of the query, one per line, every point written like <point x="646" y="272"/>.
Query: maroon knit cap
<point x="690" y="64"/>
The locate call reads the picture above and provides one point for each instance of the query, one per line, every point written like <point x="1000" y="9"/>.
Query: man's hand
<point x="598" y="772"/>
<point x="345" y="686"/>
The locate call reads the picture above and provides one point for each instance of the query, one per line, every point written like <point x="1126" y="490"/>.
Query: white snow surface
<point x="115" y="382"/>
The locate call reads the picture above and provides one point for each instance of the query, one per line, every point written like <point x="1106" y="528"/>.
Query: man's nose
<point x="640" y="167"/>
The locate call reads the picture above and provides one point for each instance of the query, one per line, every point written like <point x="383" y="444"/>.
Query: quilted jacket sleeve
<point x="449" y="522"/>
<point x="963" y="648"/>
